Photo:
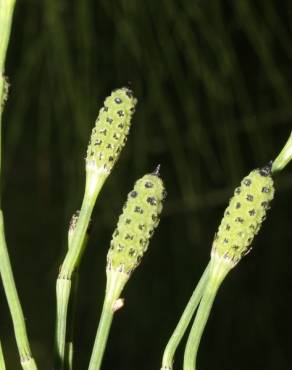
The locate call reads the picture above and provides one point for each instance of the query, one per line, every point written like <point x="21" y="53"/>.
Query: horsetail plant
<point x="176" y="337"/>
<point x="241" y="222"/>
<point x="107" y="140"/>
<point x="129" y="243"/>
<point x="69" y="348"/>
<point x="26" y="359"/>
<point x="241" y="238"/>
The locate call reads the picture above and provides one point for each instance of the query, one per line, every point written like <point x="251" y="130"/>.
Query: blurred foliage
<point x="213" y="79"/>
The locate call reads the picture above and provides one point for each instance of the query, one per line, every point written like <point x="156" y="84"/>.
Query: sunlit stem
<point x="284" y="157"/>
<point x="218" y="270"/>
<point x="175" y="339"/>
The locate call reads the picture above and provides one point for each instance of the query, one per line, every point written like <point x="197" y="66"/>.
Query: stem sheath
<point x="70" y="264"/>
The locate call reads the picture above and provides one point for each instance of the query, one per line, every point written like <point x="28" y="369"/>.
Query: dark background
<point x="214" y="84"/>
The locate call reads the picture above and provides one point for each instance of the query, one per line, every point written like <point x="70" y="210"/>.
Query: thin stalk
<point x="6" y="14"/>
<point x="115" y="284"/>
<point x="63" y="292"/>
<point x="70" y="264"/>
<point x="218" y="270"/>
<point x="69" y="346"/>
<point x="175" y="339"/>
<point x="26" y="358"/>
<point x="2" y="361"/>
<point x="284" y="157"/>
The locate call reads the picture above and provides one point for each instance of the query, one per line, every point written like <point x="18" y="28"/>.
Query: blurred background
<point x="214" y="84"/>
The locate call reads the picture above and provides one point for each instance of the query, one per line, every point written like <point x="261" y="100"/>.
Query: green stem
<point x="218" y="270"/>
<point x="26" y="358"/>
<point x="71" y="263"/>
<point x="63" y="293"/>
<point x="284" y="157"/>
<point x="6" y="14"/>
<point x="115" y="284"/>
<point x="69" y="347"/>
<point x="175" y="339"/>
<point x="2" y="361"/>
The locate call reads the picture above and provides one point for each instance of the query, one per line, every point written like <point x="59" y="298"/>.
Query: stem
<point x="63" y="293"/>
<point x="218" y="270"/>
<point x="71" y="263"/>
<point x="115" y="283"/>
<point x="175" y="339"/>
<point x="26" y="358"/>
<point x="6" y="14"/>
<point x="284" y="157"/>
<point x="69" y="346"/>
<point x="2" y="362"/>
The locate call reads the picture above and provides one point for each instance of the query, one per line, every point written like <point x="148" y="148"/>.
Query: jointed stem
<point x="169" y="352"/>
<point x="217" y="273"/>
<point x="69" y="346"/>
<point x="26" y="358"/>
<point x="69" y="265"/>
<point x="27" y="361"/>
<point x="115" y="284"/>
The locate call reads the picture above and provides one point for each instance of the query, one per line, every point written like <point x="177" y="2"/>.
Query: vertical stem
<point x="70" y="264"/>
<point x="115" y="284"/>
<point x="218" y="271"/>
<point x="2" y="361"/>
<point x="6" y="14"/>
<point x="26" y="358"/>
<point x="63" y="292"/>
<point x="69" y="347"/>
<point x="175" y="339"/>
<point x="102" y="335"/>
